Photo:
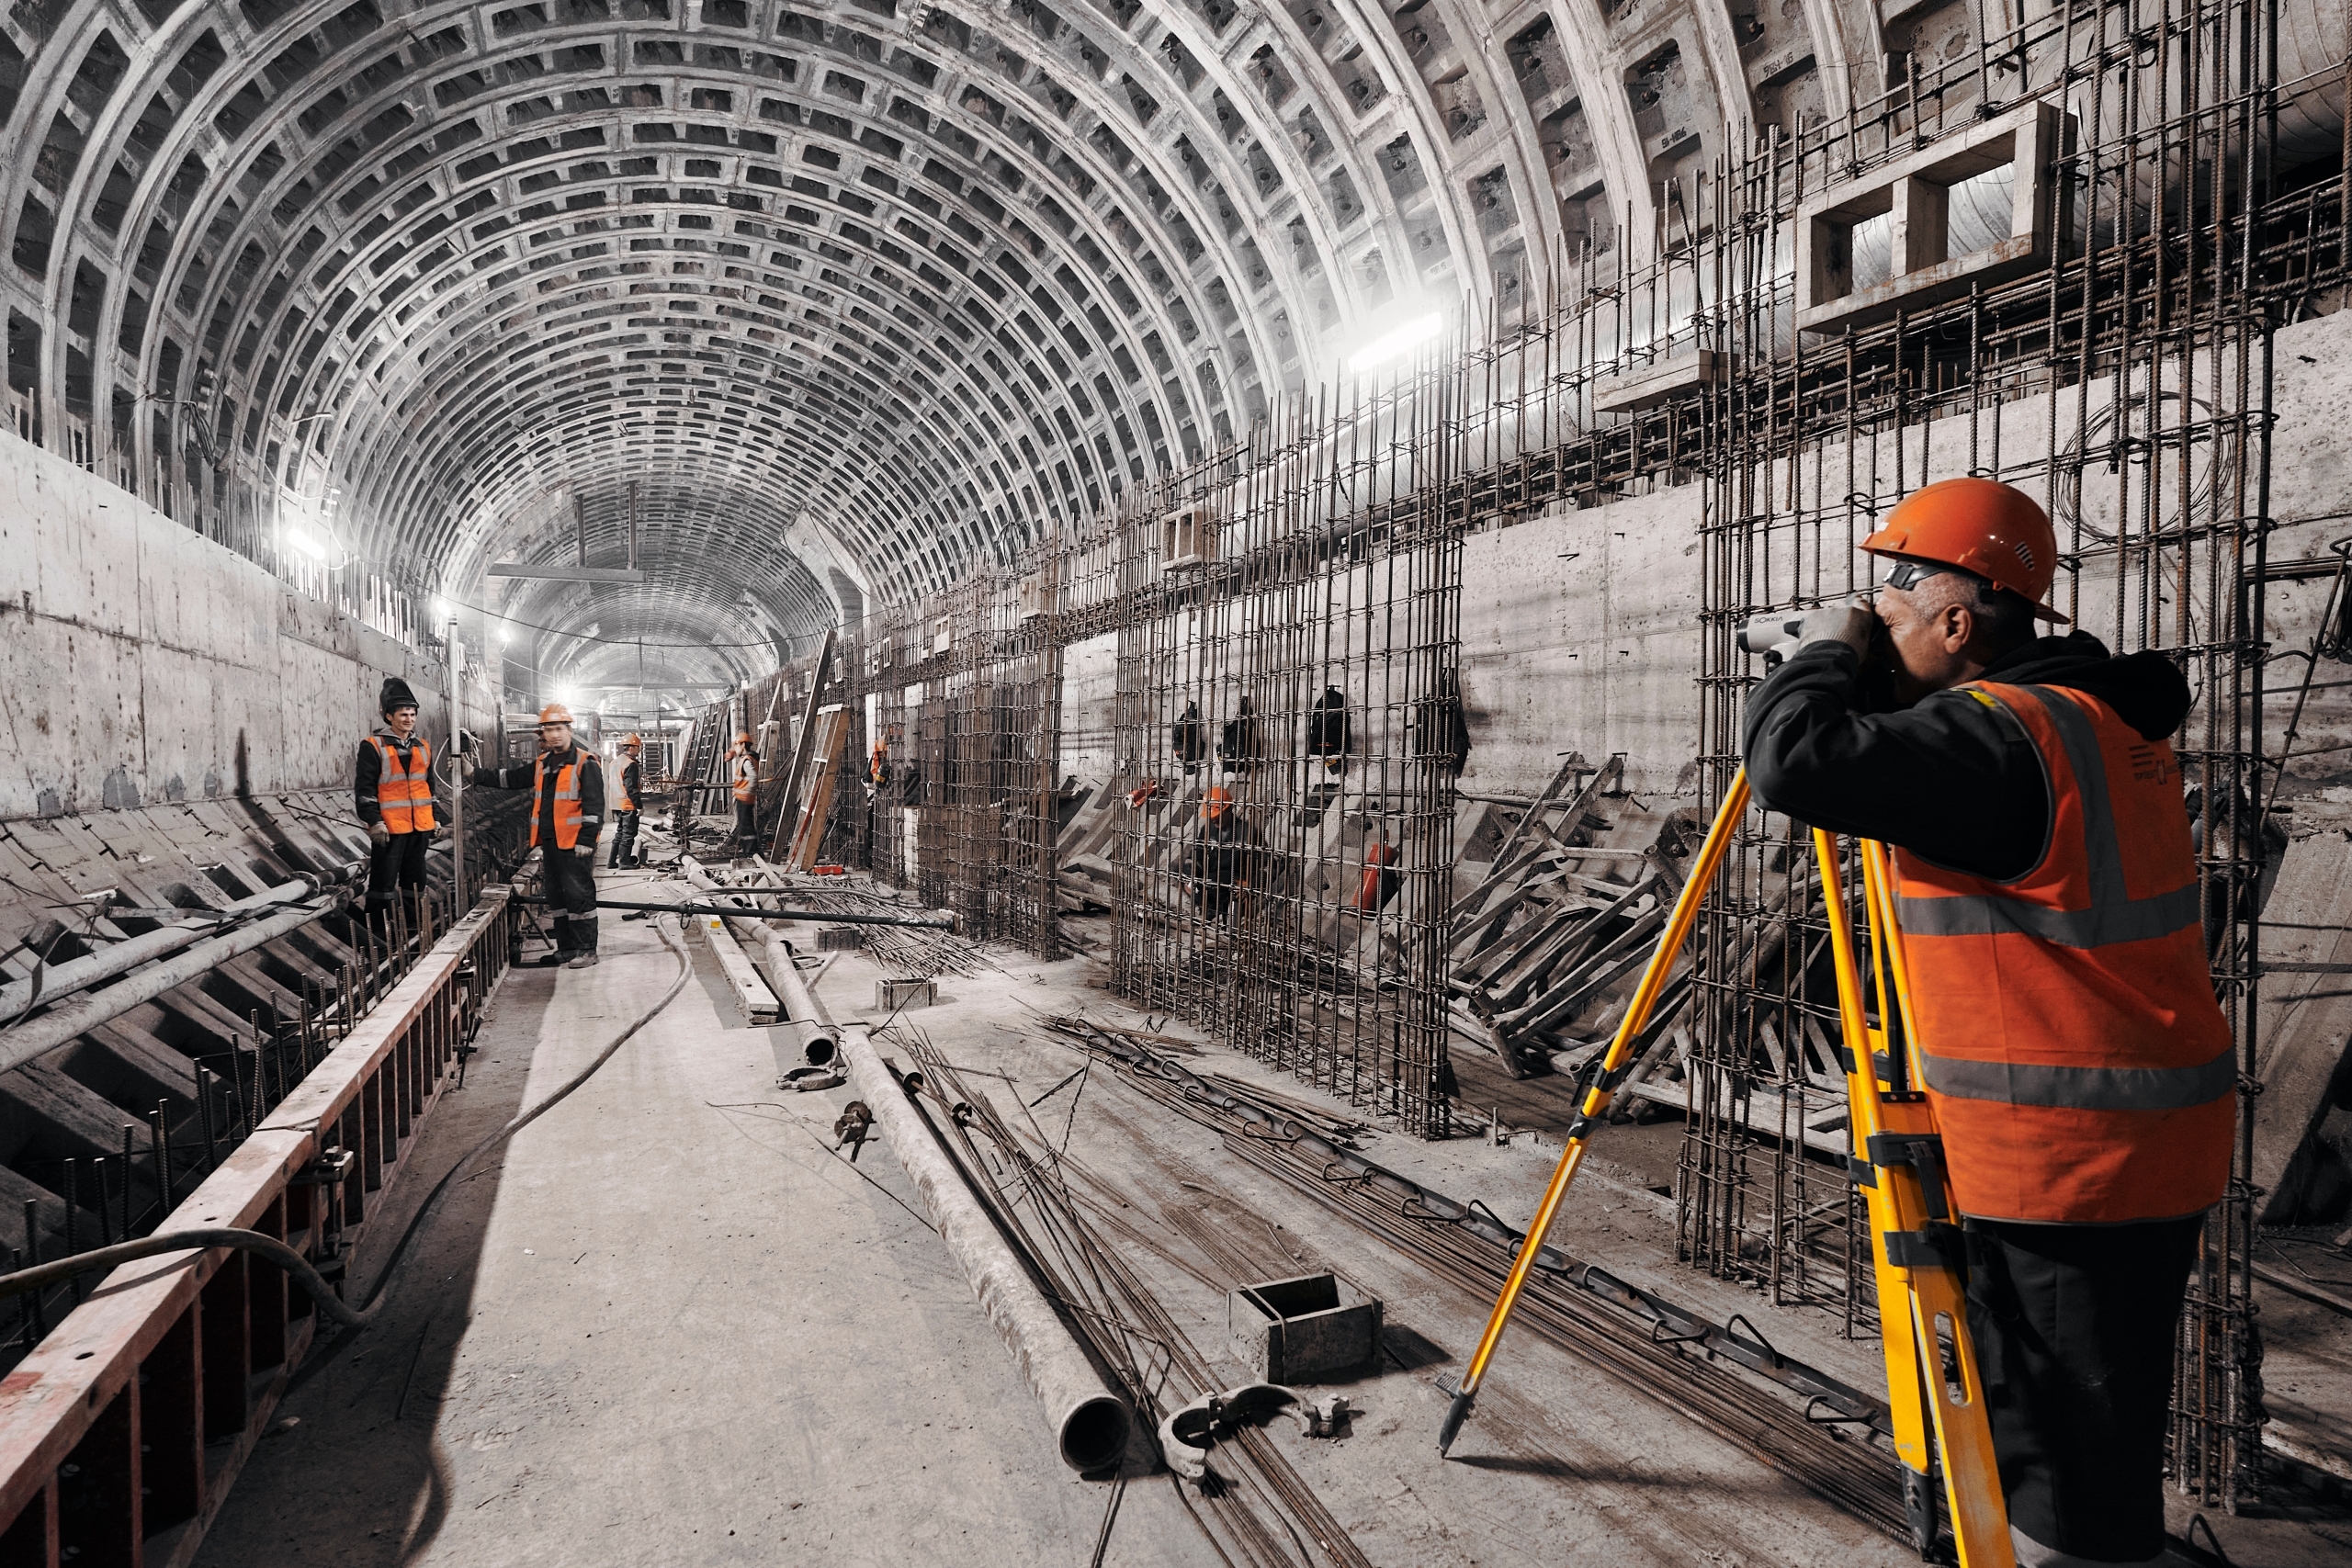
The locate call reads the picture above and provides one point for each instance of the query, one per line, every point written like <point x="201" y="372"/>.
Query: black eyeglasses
<point x="1909" y="574"/>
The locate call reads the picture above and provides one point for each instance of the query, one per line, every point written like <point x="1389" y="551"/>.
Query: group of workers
<point x="392" y="791"/>
<point x="2081" y="1072"/>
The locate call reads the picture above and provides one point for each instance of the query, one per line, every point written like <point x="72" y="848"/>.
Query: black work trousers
<point x="397" y="864"/>
<point x="2073" y="1328"/>
<point x="624" y="840"/>
<point x="747" y="832"/>
<point x="571" y="898"/>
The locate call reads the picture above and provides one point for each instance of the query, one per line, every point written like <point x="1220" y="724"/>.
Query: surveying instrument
<point x="1933" y="1395"/>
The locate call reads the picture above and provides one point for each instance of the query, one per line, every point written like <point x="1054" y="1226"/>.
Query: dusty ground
<point x="669" y="1325"/>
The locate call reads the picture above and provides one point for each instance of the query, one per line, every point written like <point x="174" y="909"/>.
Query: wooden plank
<point x="2301" y="1027"/>
<point x="786" y="826"/>
<point x="754" y="1001"/>
<point x="831" y="728"/>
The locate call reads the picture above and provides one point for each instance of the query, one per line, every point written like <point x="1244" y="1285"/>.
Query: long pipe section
<point x="20" y="996"/>
<point x="819" y="1039"/>
<point x="34" y="1037"/>
<point x="1091" y="1423"/>
<point x="739" y="903"/>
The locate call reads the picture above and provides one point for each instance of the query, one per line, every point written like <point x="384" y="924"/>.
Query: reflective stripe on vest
<point x="567" y="801"/>
<point x="746" y="779"/>
<point x="404" y="791"/>
<point x="2080" y="1068"/>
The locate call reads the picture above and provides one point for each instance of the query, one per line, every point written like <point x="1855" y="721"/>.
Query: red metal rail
<point x="122" y="1432"/>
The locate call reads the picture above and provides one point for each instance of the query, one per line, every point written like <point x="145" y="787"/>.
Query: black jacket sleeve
<point x="632" y="783"/>
<point x="367" y="779"/>
<point x="502" y="778"/>
<point x="591" y="797"/>
<point x="1949" y="778"/>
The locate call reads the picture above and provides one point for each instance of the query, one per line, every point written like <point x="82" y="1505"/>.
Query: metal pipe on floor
<point x="20" y="996"/>
<point x="23" y="1041"/>
<point x="819" y="1039"/>
<point x="1090" y="1422"/>
<point x="738" y="903"/>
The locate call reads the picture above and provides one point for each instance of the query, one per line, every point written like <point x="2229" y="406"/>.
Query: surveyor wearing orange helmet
<point x="569" y="785"/>
<point x="2082" y="1075"/>
<point x="625" y="804"/>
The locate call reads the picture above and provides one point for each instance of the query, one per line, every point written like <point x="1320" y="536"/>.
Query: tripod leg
<point x="1921" y="1314"/>
<point x="1614" y="1067"/>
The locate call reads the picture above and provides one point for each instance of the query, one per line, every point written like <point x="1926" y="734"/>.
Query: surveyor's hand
<point x="378" y="835"/>
<point x="1853" y="623"/>
<point x="584" y="851"/>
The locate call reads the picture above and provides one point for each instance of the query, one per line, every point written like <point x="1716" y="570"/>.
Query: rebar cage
<point x="1288" y="725"/>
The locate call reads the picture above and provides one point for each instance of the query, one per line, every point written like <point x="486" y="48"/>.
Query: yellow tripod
<point x="1897" y="1160"/>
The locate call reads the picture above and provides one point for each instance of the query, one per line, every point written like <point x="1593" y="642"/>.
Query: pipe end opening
<point x="1095" y="1434"/>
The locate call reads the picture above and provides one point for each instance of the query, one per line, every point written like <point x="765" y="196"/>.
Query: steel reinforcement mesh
<point x="1288" y="730"/>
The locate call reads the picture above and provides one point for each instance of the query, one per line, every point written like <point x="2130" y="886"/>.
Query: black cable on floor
<point x="297" y="1266"/>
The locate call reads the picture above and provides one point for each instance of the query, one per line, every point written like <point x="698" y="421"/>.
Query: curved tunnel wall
<point x="819" y="302"/>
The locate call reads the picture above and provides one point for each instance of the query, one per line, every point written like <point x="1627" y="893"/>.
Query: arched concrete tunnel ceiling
<point x="832" y="302"/>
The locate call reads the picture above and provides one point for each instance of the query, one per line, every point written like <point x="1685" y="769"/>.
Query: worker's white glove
<point x="585" y="852"/>
<point x="378" y="835"/>
<point x="1853" y="623"/>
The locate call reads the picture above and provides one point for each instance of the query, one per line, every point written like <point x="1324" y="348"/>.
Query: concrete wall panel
<point x="145" y="662"/>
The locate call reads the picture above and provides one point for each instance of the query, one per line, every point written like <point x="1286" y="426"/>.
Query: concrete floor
<point x="667" y="1326"/>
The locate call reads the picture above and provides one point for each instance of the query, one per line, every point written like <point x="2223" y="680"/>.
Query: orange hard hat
<point x="1216" y="800"/>
<point x="743" y="738"/>
<point x="554" y="713"/>
<point x="632" y="742"/>
<point x="1983" y="527"/>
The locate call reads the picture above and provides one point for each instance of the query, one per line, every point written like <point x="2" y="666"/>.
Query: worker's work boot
<point x="583" y="930"/>
<point x="586" y="961"/>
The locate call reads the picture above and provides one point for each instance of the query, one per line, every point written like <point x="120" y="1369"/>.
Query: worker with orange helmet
<point x="2082" y="1075"/>
<point x="744" y="780"/>
<point x="625" y="804"/>
<point x="1219" y="863"/>
<point x="569" y="783"/>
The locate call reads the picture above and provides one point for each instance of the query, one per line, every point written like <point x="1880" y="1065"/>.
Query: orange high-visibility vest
<point x="404" y="794"/>
<point x="627" y="802"/>
<point x="566" y="800"/>
<point x="747" y="778"/>
<point x="2080" y="1070"/>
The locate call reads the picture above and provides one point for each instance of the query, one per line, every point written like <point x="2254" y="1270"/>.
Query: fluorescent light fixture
<point x="1397" y="340"/>
<point x="302" y="540"/>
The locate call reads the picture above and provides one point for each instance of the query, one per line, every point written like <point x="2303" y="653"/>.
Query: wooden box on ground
<point x="1297" y="1330"/>
<point x="897" y="995"/>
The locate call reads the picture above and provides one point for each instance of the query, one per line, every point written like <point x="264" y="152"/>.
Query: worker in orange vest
<point x="1220" y="860"/>
<point x="2082" y="1077"/>
<point x="744" y="779"/>
<point x="625" y="805"/>
<point x="569" y="783"/>
<point x="392" y="788"/>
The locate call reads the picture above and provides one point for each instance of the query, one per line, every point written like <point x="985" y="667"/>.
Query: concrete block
<point x="1292" y="1331"/>
<point x="840" y="939"/>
